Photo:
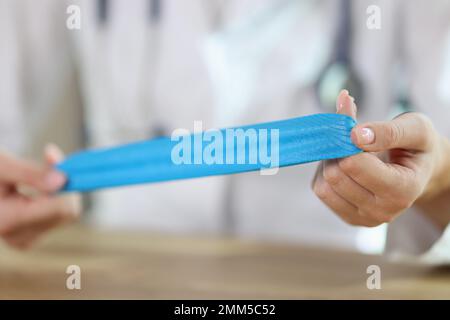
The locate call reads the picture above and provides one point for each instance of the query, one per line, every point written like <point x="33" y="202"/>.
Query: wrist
<point x="434" y="202"/>
<point x="440" y="178"/>
<point x="443" y="173"/>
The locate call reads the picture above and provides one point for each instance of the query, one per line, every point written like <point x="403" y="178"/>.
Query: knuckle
<point x="332" y="174"/>
<point x="425" y="125"/>
<point x="321" y="190"/>
<point x="393" y="134"/>
<point x="348" y="165"/>
<point x="423" y="121"/>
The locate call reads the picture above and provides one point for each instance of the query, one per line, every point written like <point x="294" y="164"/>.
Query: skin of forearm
<point x="435" y="202"/>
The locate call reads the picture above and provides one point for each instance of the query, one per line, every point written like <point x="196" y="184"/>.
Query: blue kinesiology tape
<point x="214" y="152"/>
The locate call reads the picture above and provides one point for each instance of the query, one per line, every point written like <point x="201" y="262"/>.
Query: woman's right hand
<point x="29" y="206"/>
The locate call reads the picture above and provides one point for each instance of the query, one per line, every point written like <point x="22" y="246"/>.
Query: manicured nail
<point x="53" y="153"/>
<point x="366" y="136"/>
<point x="54" y="180"/>
<point x="339" y="104"/>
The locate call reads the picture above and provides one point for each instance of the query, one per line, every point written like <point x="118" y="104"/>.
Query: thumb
<point x="53" y="154"/>
<point x="408" y="131"/>
<point x="16" y="171"/>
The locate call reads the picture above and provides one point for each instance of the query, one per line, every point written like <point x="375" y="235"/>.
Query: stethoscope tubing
<point x="103" y="10"/>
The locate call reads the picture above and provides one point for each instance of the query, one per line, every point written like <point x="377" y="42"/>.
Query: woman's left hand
<point x="406" y="160"/>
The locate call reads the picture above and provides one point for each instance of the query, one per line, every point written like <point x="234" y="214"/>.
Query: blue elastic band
<point x="301" y="140"/>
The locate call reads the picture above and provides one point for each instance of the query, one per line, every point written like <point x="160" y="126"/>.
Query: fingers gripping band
<point x="214" y="152"/>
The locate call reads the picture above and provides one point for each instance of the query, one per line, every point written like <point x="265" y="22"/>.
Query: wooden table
<point x="149" y="266"/>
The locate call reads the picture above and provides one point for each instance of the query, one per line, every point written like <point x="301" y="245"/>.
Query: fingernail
<point x="54" y="180"/>
<point x="53" y="153"/>
<point x="339" y="104"/>
<point x="366" y="136"/>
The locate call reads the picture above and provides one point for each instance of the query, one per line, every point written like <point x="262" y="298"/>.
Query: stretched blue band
<point x="298" y="140"/>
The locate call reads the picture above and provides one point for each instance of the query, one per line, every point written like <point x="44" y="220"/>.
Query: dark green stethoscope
<point x="339" y="74"/>
<point x="154" y="10"/>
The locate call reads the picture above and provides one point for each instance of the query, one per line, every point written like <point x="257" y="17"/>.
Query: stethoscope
<point x="154" y="10"/>
<point x="339" y="74"/>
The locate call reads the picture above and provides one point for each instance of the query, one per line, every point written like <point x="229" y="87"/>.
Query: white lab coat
<point x="135" y="79"/>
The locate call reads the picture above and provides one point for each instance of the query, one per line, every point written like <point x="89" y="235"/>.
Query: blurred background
<point x="142" y="68"/>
